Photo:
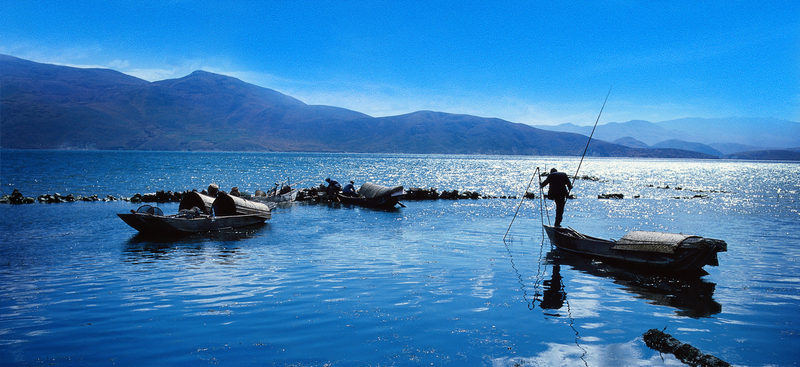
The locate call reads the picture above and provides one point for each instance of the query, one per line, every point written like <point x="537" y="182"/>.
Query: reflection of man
<point x="559" y="189"/>
<point x="554" y="296"/>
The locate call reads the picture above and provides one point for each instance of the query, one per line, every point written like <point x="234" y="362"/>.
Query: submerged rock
<point x="665" y="343"/>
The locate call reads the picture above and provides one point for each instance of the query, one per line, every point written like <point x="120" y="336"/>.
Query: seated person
<point x="349" y="189"/>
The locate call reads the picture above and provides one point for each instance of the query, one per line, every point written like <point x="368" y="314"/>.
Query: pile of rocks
<point x="160" y="196"/>
<point x="16" y="197"/>
<point x="313" y="194"/>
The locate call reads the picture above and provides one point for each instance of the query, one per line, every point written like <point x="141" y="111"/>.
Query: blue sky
<point x="533" y="62"/>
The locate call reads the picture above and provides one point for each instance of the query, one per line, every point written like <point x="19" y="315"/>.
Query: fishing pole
<point x="590" y="136"/>
<point x="535" y="173"/>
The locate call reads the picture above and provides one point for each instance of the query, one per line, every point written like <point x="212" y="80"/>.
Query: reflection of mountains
<point x="692" y="296"/>
<point x="220" y="244"/>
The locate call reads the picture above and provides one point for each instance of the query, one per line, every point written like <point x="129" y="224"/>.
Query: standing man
<point x="558" y="192"/>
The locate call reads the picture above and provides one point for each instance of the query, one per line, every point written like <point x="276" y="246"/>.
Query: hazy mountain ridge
<point x="725" y="135"/>
<point x="56" y="107"/>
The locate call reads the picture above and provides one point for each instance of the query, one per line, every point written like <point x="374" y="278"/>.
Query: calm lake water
<point x="432" y="283"/>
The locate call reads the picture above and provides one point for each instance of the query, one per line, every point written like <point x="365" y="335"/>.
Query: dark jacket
<point x="559" y="185"/>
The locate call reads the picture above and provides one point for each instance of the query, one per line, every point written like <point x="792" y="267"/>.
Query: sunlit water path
<point x="431" y="283"/>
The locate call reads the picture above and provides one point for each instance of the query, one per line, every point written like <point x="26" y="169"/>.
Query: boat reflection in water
<point x="221" y="245"/>
<point x="692" y="296"/>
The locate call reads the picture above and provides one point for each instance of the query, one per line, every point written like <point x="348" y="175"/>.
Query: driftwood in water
<point x="665" y="343"/>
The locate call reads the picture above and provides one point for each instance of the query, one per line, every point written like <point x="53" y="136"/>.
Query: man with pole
<point x="558" y="192"/>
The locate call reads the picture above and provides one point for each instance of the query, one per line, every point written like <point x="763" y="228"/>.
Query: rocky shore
<point x="314" y="194"/>
<point x="317" y="194"/>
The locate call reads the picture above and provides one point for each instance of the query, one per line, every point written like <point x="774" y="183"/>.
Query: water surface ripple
<point x="431" y="283"/>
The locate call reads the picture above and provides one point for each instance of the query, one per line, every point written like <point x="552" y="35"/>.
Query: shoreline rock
<point x="665" y="343"/>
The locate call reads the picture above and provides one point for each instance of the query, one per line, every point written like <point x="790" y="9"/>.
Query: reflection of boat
<point x="691" y="295"/>
<point x="654" y="251"/>
<point x="371" y="195"/>
<point x="198" y="213"/>
<point x="285" y="194"/>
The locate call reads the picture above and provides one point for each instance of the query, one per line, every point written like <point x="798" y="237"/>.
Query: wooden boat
<point x="652" y="251"/>
<point x="285" y="194"/>
<point x="372" y="195"/>
<point x="198" y="213"/>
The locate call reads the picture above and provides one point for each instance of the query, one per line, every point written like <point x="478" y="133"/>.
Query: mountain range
<point x="717" y="137"/>
<point x="44" y="106"/>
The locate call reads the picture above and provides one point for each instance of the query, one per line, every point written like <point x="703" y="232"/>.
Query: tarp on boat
<point x="651" y="241"/>
<point x="372" y="191"/>
<point x="196" y="199"/>
<point x="226" y="204"/>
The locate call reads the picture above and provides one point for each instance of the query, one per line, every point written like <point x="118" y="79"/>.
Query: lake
<point x="431" y="283"/>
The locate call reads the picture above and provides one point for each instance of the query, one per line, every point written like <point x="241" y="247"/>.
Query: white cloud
<point x="119" y="64"/>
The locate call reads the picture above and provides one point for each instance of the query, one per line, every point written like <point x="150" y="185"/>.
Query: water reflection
<point x="222" y="245"/>
<point x="553" y="296"/>
<point x="691" y="296"/>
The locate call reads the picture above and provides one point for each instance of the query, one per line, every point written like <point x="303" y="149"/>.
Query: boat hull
<point x="384" y="202"/>
<point x="689" y="257"/>
<point x="374" y="196"/>
<point x="198" y="213"/>
<point x="170" y="225"/>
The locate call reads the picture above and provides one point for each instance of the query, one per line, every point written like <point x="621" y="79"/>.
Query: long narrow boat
<point x="198" y="213"/>
<point x="653" y="251"/>
<point x="372" y="195"/>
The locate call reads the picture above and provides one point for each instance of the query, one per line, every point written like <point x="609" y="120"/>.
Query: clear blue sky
<point x="534" y="62"/>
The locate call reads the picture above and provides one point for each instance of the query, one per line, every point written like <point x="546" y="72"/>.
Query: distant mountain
<point x="726" y="135"/>
<point x="766" y="155"/>
<point x="630" y="142"/>
<point x="56" y="107"/>
<point x="728" y="148"/>
<point x="761" y="132"/>
<point x="685" y="145"/>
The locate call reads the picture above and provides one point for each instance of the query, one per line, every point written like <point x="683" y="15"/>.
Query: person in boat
<point x="213" y="190"/>
<point x="333" y="188"/>
<point x="349" y="189"/>
<point x="235" y="191"/>
<point x="558" y="191"/>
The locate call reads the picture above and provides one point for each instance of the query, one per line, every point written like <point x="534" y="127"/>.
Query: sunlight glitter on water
<point x="430" y="283"/>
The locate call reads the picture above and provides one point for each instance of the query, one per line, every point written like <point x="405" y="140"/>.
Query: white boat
<point x="285" y="194"/>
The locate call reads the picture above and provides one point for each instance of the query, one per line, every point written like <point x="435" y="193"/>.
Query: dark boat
<point x="652" y="251"/>
<point x="198" y="213"/>
<point x="371" y="195"/>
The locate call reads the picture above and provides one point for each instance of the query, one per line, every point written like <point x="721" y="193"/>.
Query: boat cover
<point x="651" y="241"/>
<point x="195" y="199"/>
<point x="372" y="191"/>
<point x="226" y="204"/>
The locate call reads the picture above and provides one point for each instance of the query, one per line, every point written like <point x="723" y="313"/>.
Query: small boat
<point x="198" y="213"/>
<point x="652" y="251"/>
<point x="372" y="195"/>
<point x="285" y="194"/>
